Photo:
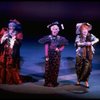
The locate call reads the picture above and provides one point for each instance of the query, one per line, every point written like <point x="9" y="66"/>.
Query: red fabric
<point x="19" y="36"/>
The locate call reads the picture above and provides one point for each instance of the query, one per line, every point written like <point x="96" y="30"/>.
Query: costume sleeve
<point x="46" y="50"/>
<point x="2" y="32"/>
<point x="63" y="41"/>
<point x="77" y="39"/>
<point x="44" y="40"/>
<point x="19" y="36"/>
<point x="94" y="39"/>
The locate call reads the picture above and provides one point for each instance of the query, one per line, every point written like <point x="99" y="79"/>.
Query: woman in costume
<point x="11" y="42"/>
<point x="54" y="45"/>
<point x="84" y="52"/>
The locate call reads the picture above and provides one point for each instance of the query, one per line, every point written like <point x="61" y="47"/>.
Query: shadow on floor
<point x="11" y="95"/>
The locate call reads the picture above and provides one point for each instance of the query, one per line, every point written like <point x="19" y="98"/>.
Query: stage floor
<point x="32" y="71"/>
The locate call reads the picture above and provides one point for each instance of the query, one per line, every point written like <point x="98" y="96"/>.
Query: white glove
<point x="4" y="37"/>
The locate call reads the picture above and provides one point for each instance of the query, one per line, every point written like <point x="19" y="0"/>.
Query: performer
<point x="84" y="52"/>
<point x="11" y="42"/>
<point x="15" y="33"/>
<point x="54" y="44"/>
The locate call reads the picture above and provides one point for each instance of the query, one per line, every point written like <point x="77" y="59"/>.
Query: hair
<point x="84" y="26"/>
<point x="16" y="24"/>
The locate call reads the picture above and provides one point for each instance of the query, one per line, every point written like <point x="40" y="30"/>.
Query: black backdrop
<point x="36" y="15"/>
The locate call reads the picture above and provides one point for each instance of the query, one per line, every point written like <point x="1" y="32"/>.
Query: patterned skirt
<point x="52" y="69"/>
<point x="8" y="73"/>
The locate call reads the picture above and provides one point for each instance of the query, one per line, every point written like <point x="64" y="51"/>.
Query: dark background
<point x="36" y="15"/>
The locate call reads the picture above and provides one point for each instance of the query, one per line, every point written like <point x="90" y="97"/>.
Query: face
<point x="84" y="32"/>
<point x="54" y="29"/>
<point x="11" y="26"/>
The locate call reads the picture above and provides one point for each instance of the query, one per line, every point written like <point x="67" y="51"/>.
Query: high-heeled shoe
<point x="86" y="84"/>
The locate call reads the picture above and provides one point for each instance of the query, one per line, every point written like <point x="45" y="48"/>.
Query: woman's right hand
<point x="47" y="58"/>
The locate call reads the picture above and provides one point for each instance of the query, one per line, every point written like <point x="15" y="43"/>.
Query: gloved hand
<point x="4" y="37"/>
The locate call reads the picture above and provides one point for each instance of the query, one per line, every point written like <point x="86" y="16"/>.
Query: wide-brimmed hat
<point x="79" y="25"/>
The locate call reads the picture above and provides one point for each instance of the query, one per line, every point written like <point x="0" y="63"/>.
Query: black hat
<point x="61" y="26"/>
